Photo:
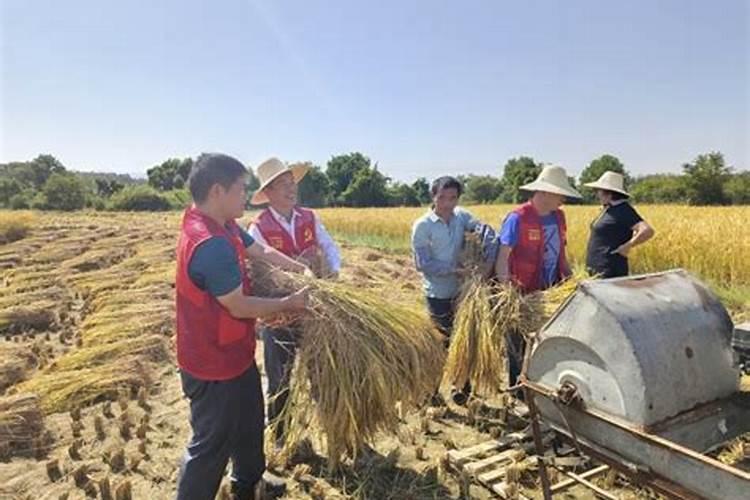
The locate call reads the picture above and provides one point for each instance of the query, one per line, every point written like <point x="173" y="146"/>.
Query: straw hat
<point x="610" y="181"/>
<point x="554" y="180"/>
<point x="270" y="170"/>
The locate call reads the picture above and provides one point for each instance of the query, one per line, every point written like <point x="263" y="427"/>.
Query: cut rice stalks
<point x="21" y="423"/>
<point x="360" y="360"/>
<point x="488" y="313"/>
<point x="65" y="390"/>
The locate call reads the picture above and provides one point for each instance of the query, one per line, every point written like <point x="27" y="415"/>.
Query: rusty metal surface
<point x="648" y="459"/>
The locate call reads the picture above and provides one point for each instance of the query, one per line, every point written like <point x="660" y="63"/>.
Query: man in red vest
<point x="532" y="246"/>
<point x="298" y="233"/>
<point x="216" y="333"/>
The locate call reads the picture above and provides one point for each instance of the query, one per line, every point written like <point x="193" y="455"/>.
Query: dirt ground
<point x="82" y="271"/>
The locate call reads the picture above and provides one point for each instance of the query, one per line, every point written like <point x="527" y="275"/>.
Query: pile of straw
<point x="19" y="319"/>
<point x="15" y="362"/>
<point x="487" y="314"/>
<point x="360" y="360"/>
<point x="65" y="390"/>
<point x="21" y="423"/>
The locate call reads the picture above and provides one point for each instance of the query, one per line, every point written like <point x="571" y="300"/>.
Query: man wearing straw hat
<point x="532" y="246"/>
<point x="616" y="230"/>
<point x="216" y="334"/>
<point x="299" y="234"/>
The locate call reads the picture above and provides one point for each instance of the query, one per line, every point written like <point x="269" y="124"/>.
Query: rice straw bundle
<point x="14" y="364"/>
<point x="151" y="347"/>
<point x="737" y="452"/>
<point x="358" y="356"/>
<point x="64" y="390"/>
<point x="39" y="316"/>
<point x="21" y="422"/>
<point x="486" y="315"/>
<point x="552" y="298"/>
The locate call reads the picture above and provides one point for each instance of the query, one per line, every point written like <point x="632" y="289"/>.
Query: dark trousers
<point x="516" y="350"/>
<point x="227" y="422"/>
<point x="442" y="312"/>
<point x="279" y="350"/>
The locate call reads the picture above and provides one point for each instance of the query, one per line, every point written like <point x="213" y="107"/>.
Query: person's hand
<point x="462" y="272"/>
<point x="623" y="249"/>
<point x="299" y="300"/>
<point x="308" y="273"/>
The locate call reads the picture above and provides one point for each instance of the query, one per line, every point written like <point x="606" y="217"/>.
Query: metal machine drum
<point x="640" y="371"/>
<point x="641" y="349"/>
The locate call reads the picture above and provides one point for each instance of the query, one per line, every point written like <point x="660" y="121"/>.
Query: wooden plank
<point x="600" y="491"/>
<point x="567" y="483"/>
<point x="575" y="461"/>
<point x="488" y="478"/>
<point x="505" y="456"/>
<point x="460" y="457"/>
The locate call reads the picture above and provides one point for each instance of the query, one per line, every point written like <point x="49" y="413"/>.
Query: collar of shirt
<point x="614" y="203"/>
<point x="434" y="217"/>
<point x="282" y="219"/>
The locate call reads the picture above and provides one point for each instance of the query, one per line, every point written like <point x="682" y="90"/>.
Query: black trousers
<point x="227" y="422"/>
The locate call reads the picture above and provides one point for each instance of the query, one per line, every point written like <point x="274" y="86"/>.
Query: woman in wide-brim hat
<point x="616" y="230"/>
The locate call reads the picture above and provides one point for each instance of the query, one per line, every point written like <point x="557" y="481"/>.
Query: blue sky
<point x="422" y="87"/>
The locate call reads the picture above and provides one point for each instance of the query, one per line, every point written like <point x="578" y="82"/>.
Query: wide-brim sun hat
<point x="552" y="179"/>
<point x="269" y="171"/>
<point x="610" y="181"/>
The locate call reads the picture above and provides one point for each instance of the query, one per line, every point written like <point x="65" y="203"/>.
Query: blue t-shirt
<point x="509" y="237"/>
<point x="214" y="266"/>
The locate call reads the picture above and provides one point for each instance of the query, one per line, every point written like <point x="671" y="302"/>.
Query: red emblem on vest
<point x="278" y="237"/>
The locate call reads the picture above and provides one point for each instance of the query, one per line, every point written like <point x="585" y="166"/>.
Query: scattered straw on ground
<point x="21" y="422"/>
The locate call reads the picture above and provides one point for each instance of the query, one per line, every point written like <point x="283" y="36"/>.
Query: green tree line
<point x="353" y="180"/>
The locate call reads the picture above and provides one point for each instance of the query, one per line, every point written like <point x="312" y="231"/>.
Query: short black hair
<point x="210" y="169"/>
<point x="615" y="195"/>
<point x="446" y="182"/>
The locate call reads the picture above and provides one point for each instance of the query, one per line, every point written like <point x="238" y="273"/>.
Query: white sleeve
<point x="329" y="247"/>
<point x="255" y="233"/>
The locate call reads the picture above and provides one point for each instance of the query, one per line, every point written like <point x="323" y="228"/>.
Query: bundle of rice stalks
<point x="64" y="390"/>
<point x="358" y="356"/>
<point x="21" y="423"/>
<point x="98" y="259"/>
<point x="737" y="452"/>
<point x="14" y="363"/>
<point x="478" y="253"/>
<point x="487" y="314"/>
<point x="151" y="347"/>
<point x="552" y="298"/>
<point x="51" y="294"/>
<point x="38" y="317"/>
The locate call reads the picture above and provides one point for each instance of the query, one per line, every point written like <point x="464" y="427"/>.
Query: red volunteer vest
<point x="527" y="258"/>
<point x="211" y="343"/>
<point x="277" y="237"/>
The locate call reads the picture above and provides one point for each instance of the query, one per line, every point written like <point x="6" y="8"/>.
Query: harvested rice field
<point x="90" y="399"/>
